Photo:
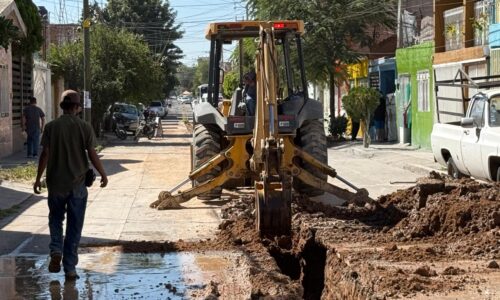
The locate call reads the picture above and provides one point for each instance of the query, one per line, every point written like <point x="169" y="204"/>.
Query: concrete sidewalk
<point x="381" y="168"/>
<point x="15" y="193"/>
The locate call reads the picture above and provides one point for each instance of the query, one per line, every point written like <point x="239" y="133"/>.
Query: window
<point x="477" y="112"/>
<point x="495" y="111"/>
<point x="4" y="91"/>
<point x="363" y="82"/>
<point x="423" y="91"/>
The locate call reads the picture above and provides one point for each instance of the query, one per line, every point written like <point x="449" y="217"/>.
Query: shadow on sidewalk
<point x="115" y="166"/>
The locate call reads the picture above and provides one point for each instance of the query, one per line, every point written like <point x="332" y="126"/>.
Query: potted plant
<point x="452" y="33"/>
<point x="480" y="25"/>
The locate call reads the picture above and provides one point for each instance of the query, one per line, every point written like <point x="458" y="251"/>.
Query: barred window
<point x="423" y="92"/>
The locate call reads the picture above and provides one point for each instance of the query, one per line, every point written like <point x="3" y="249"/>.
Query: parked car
<point x="471" y="147"/>
<point x="159" y="108"/>
<point x="186" y="100"/>
<point x="128" y="114"/>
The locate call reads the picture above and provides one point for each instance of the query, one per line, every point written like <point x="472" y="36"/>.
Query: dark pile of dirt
<point x="439" y="207"/>
<point x="389" y="250"/>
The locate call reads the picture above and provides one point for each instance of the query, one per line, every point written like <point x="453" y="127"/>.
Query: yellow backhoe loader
<point x="279" y="149"/>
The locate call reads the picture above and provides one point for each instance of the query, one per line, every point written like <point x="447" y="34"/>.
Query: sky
<point x="192" y="15"/>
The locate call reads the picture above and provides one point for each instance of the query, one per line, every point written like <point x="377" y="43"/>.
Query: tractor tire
<point x="206" y="144"/>
<point x="312" y="139"/>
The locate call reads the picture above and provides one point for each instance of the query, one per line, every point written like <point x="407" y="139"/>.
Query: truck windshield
<point x="495" y="111"/>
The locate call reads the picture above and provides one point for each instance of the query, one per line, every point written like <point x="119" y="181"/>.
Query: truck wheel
<point x="206" y="144"/>
<point x="453" y="170"/>
<point x="311" y="137"/>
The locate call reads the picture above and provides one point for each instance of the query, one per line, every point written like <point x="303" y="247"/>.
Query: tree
<point x="8" y="32"/>
<point x="360" y="104"/>
<point x="249" y="52"/>
<point x="185" y="76"/>
<point x="122" y="68"/>
<point x="33" y="40"/>
<point x="334" y="30"/>
<point x="154" y="20"/>
<point x="201" y="72"/>
<point x="231" y="82"/>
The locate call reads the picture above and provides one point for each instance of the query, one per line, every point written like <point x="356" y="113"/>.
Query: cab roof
<point x="242" y="29"/>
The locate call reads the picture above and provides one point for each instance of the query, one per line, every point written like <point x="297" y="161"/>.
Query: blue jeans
<point x="251" y="106"/>
<point x="33" y="142"/>
<point x="74" y="204"/>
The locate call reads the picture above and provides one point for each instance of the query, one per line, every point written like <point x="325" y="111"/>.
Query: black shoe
<point x="71" y="275"/>
<point x="55" y="262"/>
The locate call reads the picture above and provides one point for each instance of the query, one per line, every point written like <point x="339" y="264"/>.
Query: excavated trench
<point x="413" y="244"/>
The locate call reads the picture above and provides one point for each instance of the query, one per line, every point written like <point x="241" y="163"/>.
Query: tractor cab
<point x="291" y="89"/>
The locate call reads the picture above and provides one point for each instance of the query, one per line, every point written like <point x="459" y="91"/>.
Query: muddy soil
<point x="437" y="240"/>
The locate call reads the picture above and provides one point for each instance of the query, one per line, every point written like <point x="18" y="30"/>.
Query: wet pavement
<point x="111" y="274"/>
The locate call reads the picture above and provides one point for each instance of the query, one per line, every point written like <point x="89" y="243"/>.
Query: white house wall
<point x="42" y="89"/>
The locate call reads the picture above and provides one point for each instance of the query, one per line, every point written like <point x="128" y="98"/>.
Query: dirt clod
<point x="453" y="271"/>
<point x="392" y="247"/>
<point x="493" y="265"/>
<point x="425" y="271"/>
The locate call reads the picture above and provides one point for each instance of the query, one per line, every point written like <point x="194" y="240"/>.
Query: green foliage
<point x="360" y="104"/>
<point x="33" y="40"/>
<point x="334" y="30"/>
<point x="249" y="52"/>
<point x="201" y="72"/>
<point x="231" y="82"/>
<point x="8" y="32"/>
<point x="337" y="126"/>
<point x="185" y="77"/>
<point x="25" y="173"/>
<point x="122" y="68"/>
<point x="154" y="20"/>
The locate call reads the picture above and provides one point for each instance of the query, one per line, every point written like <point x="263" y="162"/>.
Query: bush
<point x="360" y="104"/>
<point x="337" y="126"/>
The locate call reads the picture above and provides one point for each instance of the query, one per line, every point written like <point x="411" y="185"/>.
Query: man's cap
<point x="70" y="97"/>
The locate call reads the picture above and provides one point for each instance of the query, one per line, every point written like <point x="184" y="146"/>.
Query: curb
<point x="420" y="170"/>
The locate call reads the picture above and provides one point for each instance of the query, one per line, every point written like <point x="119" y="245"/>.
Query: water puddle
<point x="115" y="275"/>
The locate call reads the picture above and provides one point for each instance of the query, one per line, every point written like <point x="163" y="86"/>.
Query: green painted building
<point x="415" y="104"/>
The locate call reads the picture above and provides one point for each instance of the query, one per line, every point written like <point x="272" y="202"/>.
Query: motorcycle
<point x="147" y="126"/>
<point x="120" y="131"/>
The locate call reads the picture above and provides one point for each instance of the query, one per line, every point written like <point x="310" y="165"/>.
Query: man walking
<point x="66" y="142"/>
<point x="32" y="122"/>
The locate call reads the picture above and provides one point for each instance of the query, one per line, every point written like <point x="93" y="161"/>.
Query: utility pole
<point x="399" y="24"/>
<point x="86" y="63"/>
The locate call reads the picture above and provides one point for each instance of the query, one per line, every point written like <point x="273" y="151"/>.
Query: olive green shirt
<point x="67" y="138"/>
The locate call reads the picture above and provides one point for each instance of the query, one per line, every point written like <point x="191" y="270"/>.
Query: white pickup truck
<point x="471" y="147"/>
